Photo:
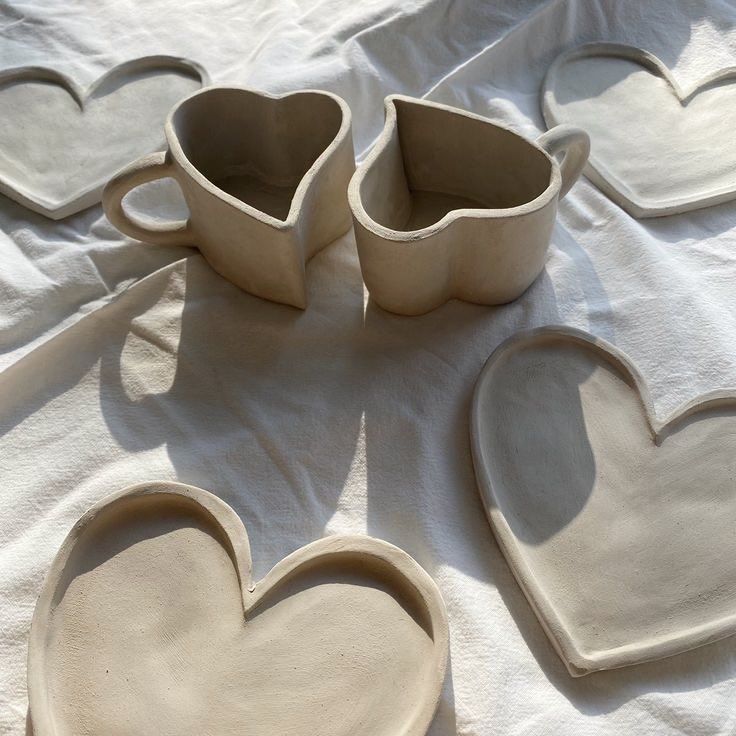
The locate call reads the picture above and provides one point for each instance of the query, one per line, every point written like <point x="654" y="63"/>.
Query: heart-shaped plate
<point x="617" y="526"/>
<point x="656" y="149"/>
<point x="149" y="622"/>
<point x="59" y="144"/>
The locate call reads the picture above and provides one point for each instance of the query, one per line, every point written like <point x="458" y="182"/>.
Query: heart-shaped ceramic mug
<point x="265" y="180"/>
<point x="451" y="205"/>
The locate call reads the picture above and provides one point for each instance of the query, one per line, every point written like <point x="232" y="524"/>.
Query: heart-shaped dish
<point x="656" y="149"/>
<point x="617" y="526"/>
<point x="149" y="622"/>
<point x="59" y="143"/>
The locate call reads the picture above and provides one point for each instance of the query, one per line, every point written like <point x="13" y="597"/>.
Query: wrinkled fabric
<point x="122" y="362"/>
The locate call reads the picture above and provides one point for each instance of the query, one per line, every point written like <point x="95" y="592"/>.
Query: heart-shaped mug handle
<point x="145" y="169"/>
<point x="574" y="144"/>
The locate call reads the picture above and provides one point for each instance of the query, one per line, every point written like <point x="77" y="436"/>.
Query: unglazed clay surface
<point x="449" y="204"/>
<point x="618" y="526"/>
<point x="149" y="622"/>
<point x="59" y="144"/>
<point x="265" y="179"/>
<point x="657" y="148"/>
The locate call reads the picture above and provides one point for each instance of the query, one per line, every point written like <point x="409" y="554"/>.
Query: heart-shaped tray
<point x="59" y="144"/>
<point x="656" y="149"/>
<point x="618" y="526"/>
<point x="149" y="622"/>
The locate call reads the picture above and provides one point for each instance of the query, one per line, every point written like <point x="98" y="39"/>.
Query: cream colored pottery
<point x="149" y="622"/>
<point x="619" y="526"/>
<point x="450" y="205"/>
<point x="59" y="143"/>
<point x="657" y="148"/>
<point x="265" y="179"/>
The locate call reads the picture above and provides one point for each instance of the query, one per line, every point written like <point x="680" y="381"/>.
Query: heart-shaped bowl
<point x="149" y="622"/>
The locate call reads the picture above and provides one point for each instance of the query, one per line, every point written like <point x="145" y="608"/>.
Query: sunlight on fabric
<point x="352" y="506"/>
<point x="148" y="359"/>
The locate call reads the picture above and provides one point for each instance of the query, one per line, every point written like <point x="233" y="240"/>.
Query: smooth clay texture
<point x="265" y="179"/>
<point x="657" y="148"/>
<point x="618" y="526"/>
<point x="450" y="205"/>
<point x="149" y="623"/>
<point x="59" y="144"/>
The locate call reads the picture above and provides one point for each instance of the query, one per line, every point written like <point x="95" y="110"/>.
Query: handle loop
<point x="574" y="144"/>
<point x="149" y="168"/>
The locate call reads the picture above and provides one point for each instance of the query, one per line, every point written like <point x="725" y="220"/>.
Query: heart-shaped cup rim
<point x="309" y="177"/>
<point x="419" y="586"/>
<point x="391" y="124"/>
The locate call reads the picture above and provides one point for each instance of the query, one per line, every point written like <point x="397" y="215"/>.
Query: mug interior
<point x="256" y="148"/>
<point x="438" y="161"/>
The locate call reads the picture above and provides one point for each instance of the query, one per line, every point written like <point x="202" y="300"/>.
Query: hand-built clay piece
<point x="149" y="622"/>
<point x="449" y="204"/>
<point x="59" y="144"/>
<point x="265" y="179"/>
<point x="657" y="149"/>
<point x="619" y="527"/>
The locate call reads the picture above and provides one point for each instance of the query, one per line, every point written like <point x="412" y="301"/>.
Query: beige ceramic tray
<point x="59" y="143"/>
<point x="149" y="622"/>
<point x="656" y="148"/>
<point x="618" y="526"/>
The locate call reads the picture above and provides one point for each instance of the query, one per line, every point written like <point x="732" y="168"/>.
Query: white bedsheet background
<point x="123" y="362"/>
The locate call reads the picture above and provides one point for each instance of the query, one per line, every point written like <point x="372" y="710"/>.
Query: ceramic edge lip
<point x="81" y="93"/>
<point x="409" y="236"/>
<point x="151" y="63"/>
<point x="307" y="179"/>
<point x="644" y="58"/>
<point x="48" y="75"/>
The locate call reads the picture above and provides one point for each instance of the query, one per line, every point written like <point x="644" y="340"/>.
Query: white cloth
<point x="121" y="362"/>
